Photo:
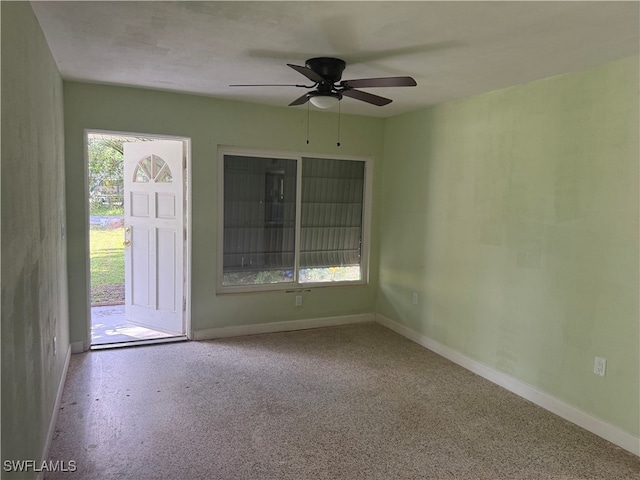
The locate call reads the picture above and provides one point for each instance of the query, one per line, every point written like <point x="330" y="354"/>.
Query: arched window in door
<point x="152" y="168"/>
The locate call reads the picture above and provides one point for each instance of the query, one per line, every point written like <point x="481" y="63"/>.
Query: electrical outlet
<point x="600" y="366"/>
<point x="298" y="300"/>
<point x="414" y="298"/>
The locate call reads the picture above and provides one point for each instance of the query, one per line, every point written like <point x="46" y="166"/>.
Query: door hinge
<point x="184" y="237"/>
<point x="184" y="163"/>
<point x="184" y="304"/>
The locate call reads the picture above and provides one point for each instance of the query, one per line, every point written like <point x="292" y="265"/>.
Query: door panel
<point x="166" y="205"/>
<point x="167" y="265"/>
<point x="139" y="276"/>
<point x="154" y="252"/>
<point x="139" y="204"/>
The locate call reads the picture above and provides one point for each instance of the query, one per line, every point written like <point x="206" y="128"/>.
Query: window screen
<point x="262" y="243"/>
<point x="331" y="223"/>
<point x="259" y="220"/>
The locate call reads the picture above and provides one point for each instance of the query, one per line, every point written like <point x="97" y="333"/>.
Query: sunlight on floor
<point x="109" y="325"/>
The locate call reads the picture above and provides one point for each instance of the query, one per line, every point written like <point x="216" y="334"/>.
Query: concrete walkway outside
<point x="109" y="325"/>
<point x="111" y="221"/>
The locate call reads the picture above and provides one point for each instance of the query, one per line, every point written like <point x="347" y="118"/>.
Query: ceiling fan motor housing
<point x="328" y="68"/>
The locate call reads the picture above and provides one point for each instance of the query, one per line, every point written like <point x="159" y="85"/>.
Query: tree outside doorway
<point x="106" y="210"/>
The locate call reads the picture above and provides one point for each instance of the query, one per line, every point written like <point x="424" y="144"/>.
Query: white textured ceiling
<point x="453" y="49"/>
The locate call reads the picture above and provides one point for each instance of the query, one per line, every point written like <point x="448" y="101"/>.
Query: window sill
<point x="292" y="288"/>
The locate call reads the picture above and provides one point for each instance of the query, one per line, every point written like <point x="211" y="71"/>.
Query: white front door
<point x="154" y="247"/>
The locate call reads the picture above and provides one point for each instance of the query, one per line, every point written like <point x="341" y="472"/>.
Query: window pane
<point x="140" y="175"/>
<point x="157" y="164"/>
<point x="143" y="172"/>
<point x="165" y="175"/>
<point x="331" y="229"/>
<point x="259" y="220"/>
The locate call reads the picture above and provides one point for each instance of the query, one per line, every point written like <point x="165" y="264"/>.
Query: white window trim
<point x="367" y="208"/>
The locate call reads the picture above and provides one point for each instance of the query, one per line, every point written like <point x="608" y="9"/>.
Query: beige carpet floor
<point x="353" y="402"/>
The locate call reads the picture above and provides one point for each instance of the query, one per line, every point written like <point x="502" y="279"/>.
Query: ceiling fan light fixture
<point x="325" y="101"/>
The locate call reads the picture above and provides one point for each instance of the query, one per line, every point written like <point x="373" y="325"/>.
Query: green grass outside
<point x="107" y="265"/>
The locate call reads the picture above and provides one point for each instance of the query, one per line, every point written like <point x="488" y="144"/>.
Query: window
<point x="152" y="167"/>
<point x="290" y="221"/>
<point x="259" y="220"/>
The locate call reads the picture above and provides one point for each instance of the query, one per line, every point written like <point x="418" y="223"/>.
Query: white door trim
<point x="187" y="199"/>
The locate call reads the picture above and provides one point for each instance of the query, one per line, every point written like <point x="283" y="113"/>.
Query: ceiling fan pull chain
<point x="338" y="143"/>
<point x="307" y="123"/>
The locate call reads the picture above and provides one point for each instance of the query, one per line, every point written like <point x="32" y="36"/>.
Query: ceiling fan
<point x="328" y="88"/>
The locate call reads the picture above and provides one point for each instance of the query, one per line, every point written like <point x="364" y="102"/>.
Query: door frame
<point x="187" y="199"/>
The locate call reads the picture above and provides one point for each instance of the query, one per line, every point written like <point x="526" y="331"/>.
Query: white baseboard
<point x="77" y="347"/>
<point x="259" y="328"/>
<point x="568" y="412"/>
<point x="54" y="414"/>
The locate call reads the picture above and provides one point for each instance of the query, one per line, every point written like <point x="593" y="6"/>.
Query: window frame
<point x="295" y="285"/>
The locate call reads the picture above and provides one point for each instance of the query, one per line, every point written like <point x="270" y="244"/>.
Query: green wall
<point x="210" y="122"/>
<point x="34" y="289"/>
<point x="514" y="216"/>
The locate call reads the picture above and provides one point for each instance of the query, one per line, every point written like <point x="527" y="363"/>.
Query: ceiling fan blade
<point x="366" y="97"/>
<point x="270" y="85"/>
<point x="380" y="82"/>
<point x="300" y="100"/>
<point x="307" y="72"/>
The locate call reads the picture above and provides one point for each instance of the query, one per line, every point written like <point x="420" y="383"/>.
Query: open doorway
<point x="137" y="238"/>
